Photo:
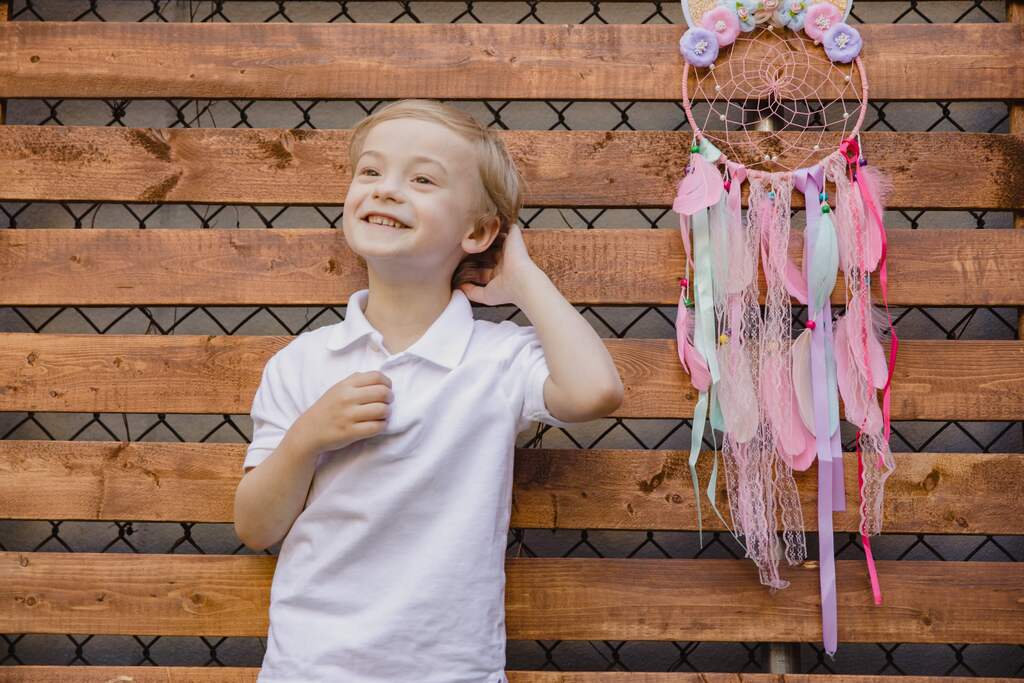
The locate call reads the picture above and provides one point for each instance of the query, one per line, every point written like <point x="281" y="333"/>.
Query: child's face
<point x="437" y="197"/>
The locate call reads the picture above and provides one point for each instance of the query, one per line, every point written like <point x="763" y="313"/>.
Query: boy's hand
<point x="355" y="408"/>
<point x="514" y="266"/>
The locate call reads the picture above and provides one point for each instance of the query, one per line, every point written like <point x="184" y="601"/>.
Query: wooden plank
<point x="272" y="166"/>
<point x="3" y="102"/>
<point x="1015" y="15"/>
<point x="545" y="599"/>
<point x="315" y="267"/>
<point x="236" y="674"/>
<point x="929" y="493"/>
<point x="464" y="61"/>
<point x="933" y="380"/>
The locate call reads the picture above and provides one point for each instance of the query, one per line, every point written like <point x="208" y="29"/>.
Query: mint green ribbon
<point x="705" y="342"/>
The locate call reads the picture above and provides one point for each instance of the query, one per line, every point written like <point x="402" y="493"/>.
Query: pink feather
<point x="802" y="384"/>
<point x="806" y="458"/>
<point x="861" y="406"/>
<point x="690" y="359"/>
<point x="874" y="189"/>
<point x="778" y="401"/>
<point x="793" y="278"/>
<point x="876" y="325"/>
<point x="701" y="188"/>
<point x="796" y="283"/>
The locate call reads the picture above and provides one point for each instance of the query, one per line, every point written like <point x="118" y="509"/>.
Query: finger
<point x="471" y="291"/>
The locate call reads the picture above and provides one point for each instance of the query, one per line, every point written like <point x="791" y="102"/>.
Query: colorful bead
<point x="863" y="161"/>
<point x="811" y="324"/>
<point x="695" y="148"/>
<point x="683" y="282"/>
<point x="771" y="194"/>
<point x="824" y="208"/>
<point x="723" y="339"/>
<point x="726" y="185"/>
<point x="823" y="196"/>
<point x="687" y="301"/>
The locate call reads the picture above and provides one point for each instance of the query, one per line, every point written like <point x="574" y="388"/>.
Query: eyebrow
<point x="418" y="157"/>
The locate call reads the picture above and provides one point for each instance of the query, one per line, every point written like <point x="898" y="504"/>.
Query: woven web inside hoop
<point x="782" y="76"/>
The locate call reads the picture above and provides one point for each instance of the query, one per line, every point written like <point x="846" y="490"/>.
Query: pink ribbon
<point x="851" y="151"/>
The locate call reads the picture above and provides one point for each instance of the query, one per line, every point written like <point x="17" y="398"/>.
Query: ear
<point x="483" y="234"/>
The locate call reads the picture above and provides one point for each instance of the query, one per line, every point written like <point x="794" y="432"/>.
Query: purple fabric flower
<point x="820" y="17"/>
<point x="723" y="22"/>
<point x="699" y="46"/>
<point x="842" y="43"/>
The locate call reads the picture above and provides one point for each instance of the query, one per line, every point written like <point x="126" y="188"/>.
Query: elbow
<point x="250" y="542"/>
<point x="245" y="537"/>
<point x="612" y="399"/>
<point x="242" y="532"/>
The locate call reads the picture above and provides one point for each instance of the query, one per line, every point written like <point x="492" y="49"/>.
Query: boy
<point x="383" y="445"/>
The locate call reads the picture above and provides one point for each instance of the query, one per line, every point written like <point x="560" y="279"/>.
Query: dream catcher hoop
<point x="777" y="115"/>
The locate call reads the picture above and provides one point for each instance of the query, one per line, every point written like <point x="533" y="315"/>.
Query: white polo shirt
<point x="395" y="570"/>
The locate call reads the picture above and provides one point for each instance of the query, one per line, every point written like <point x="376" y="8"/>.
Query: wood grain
<point x="315" y="267"/>
<point x="545" y="599"/>
<point x="928" y="493"/>
<point x="272" y="166"/>
<point x="464" y="61"/>
<point x="236" y="674"/>
<point x="933" y="380"/>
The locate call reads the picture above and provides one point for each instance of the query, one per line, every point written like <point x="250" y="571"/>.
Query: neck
<point x="403" y="311"/>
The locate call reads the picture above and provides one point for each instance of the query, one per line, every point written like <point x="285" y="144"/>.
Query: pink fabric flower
<point x="821" y="16"/>
<point x="765" y="10"/>
<point x="724" y="23"/>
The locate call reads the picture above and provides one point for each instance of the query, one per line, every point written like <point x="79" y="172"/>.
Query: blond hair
<point x="502" y="183"/>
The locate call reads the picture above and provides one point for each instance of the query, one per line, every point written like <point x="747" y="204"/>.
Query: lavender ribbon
<point x="831" y="493"/>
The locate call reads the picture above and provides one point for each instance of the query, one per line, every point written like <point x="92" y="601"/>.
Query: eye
<point x="425" y="178"/>
<point x="366" y="170"/>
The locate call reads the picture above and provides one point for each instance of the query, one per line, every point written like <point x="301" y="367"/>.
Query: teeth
<point x="381" y="220"/>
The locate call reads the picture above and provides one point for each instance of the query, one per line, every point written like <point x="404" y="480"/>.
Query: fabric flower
<point x="842" y="43"/>
<point x="745" y="13"/>
<point x="765" y="10"/>
<point x="792" y="14"/>
<point x="820" y="17"/>
<point x="724" y="23"/>
<point x="699" y="46"/>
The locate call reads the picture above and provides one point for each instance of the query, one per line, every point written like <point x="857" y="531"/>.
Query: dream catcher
<point x="779" y="98"/>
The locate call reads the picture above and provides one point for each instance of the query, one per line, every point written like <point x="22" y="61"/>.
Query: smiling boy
<point x="383" y="445"/>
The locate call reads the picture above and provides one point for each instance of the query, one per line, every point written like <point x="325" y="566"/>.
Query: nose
<point x="387" y="186"/>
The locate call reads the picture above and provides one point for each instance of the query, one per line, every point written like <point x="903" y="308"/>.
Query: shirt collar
<point x="444" y="342"/>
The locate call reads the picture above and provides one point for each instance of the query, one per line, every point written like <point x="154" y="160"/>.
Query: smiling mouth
<point x="402" y="226"/>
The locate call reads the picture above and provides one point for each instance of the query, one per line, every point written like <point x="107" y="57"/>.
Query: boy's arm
<point x="584" y="383"/>
<point x="270" y="497"/>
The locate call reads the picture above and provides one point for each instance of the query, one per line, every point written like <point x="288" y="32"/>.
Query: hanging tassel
<point x="699" y="190"/>
<point x="742" y="269"/>
<point x="861" y="405"/>
<point x="802" y="384"/>
<point x="875" y="189"/>
<point x="736" y="393"/>
<point x="779" y="402"/>
<point x="824" y="263"/>
<point x="692" y="362"/>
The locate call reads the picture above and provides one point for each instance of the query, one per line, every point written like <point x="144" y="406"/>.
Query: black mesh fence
<point x="612" y="321"/>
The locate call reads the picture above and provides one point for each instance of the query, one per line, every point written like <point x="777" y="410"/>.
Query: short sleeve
<point x="525" y="377"/>
<point x="274" y="410"/>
